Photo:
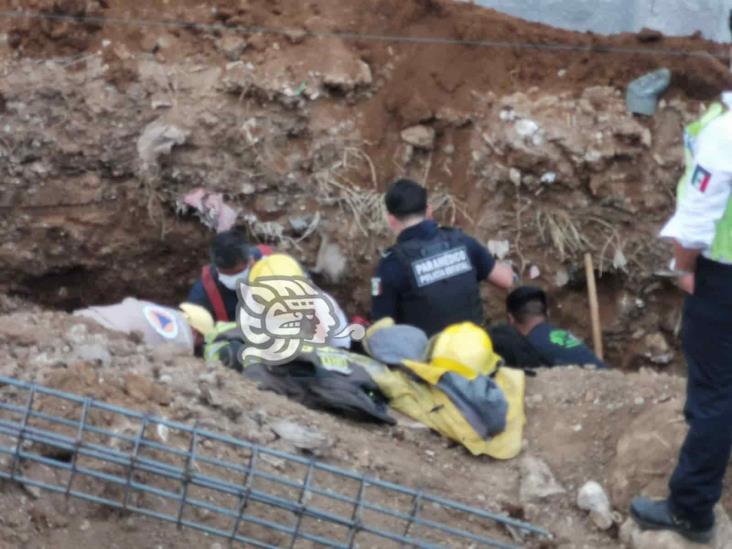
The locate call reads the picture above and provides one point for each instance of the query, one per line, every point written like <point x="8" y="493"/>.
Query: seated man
<point x="431" y="277"/>
<point x="231" y="259"/>
<point x="531" y="341"/>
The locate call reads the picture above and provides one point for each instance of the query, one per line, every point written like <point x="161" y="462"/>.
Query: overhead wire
<point x="358" y="36"/>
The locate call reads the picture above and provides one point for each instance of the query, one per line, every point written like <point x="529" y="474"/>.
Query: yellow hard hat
<point x="465" y="348"/>
<point x="276" y="265"/>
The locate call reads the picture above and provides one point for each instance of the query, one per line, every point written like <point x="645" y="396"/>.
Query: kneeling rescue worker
<point x="701" y="231"/>
<point x="532" y="337"/>
<point x="231" y="259"/>
<point x="431" y="277"/>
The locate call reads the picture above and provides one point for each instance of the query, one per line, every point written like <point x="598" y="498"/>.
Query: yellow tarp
<point x="429" y="405"/>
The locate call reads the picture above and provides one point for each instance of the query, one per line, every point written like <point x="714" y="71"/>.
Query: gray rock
<point x="299" y="224"/>
<point x="77" y="334"/>
<point x="642" y="94"/>
<point x="537" y="481"/>
<point x="331" y="261"/>
<point x="514" y="174"/>
<point x="499" y="248"/>
<point x="232" y="47"/>
<point x="296" y="36"/>
<point x="592" y="498"/>
<point x="526" y="127"/>
<point x="561" y="278"/>
<point x="657" y="349"/>
<point x="158" y="139"/>
<point x="549" y="178"/>
<point x="33" y="491"/>
<point x="422" y="137"/>
<point x="348" y="74"/>
<point x="93" y="352"/>
<point x="300" y="437"/>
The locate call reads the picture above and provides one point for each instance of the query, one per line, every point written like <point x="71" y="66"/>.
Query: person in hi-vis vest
<point x="701" y="232"/>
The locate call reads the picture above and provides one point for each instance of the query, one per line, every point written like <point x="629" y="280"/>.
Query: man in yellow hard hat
<point x="286" y="302"/>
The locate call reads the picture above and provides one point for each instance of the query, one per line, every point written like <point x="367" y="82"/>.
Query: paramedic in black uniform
<point x="431" y="277"/>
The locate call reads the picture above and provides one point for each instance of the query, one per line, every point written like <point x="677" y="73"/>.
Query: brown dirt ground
<point x="604" y="426"/>
<point x="88" y="234"/>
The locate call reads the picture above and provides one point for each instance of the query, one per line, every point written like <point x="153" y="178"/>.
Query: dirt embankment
<point x="621" y="430"/>
<point x="510" y="140"/>
<point x="301" y="132"/>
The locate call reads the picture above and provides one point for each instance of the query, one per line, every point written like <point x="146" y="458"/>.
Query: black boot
<point x="657" y="515"/>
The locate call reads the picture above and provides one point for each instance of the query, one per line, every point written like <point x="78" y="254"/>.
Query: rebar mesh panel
<point x="220" y="485"/>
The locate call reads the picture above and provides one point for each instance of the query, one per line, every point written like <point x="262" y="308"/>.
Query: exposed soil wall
<point x="528" y="145"/>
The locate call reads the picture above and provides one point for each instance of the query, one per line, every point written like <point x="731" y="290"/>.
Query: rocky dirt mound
<point x="622" y="431"/>
<point x="106" y="125"/>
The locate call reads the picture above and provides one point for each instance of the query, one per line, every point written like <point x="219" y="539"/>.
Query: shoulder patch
<point x="375" y="287"/>
<point x="700" y="179"/>
<point x="162" y="321"/>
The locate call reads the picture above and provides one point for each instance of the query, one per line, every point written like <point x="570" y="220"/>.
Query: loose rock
<point x="658" y="350"/>
<point x="158" y="139"/>
<point x="646" y="453"/>
<point x="499" y="248"/>
<point x="331" y="261"/>
<point x="300" y="437"/>
<point x="232" y="47"/>
<point x="591" y="497"/>
<point x="299" y="224"/>
<point x="537" y="480"/>
<point x="93" y="352"/>
<point x="422" y="137"/>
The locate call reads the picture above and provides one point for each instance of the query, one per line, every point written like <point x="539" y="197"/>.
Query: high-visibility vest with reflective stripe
<point x="722" y="244"/>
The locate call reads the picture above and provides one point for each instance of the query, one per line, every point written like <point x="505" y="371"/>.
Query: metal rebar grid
<point x="220" y="485"/>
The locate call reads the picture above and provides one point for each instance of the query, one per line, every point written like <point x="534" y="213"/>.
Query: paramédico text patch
<point x="441" y="267"/>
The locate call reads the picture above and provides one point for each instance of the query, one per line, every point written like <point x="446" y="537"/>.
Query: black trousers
<point x="696" y="485"/>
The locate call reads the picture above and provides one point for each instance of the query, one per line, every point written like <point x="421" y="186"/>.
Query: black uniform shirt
<point x="561" y="347"/>
<point x="392" y="278"/>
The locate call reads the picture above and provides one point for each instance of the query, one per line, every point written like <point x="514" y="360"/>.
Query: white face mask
<point x="230" y="281"/>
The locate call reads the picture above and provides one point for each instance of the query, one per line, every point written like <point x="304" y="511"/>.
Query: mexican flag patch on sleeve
<point x="701" y="178"/>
